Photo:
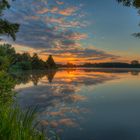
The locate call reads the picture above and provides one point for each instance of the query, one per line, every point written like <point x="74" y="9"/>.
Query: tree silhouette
<point x="10" y="60"/>
<point x="50" y="75"/>
<point x="135" y="62"/>
<point x="135" y="4"/>
<point x="7" y="56"/>
<point x="50" y="62"/>
<point x="7" y="28"/>
<point x="35" y="61"/>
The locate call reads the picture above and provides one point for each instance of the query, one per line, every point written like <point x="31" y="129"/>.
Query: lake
<point x="84" y="104"/>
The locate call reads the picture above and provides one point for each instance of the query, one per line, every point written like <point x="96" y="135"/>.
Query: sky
<point x="76" y="31"/>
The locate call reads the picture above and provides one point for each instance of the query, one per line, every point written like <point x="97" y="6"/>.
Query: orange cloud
<point x="43" y="11"/>
<point x="68" y="11"/>
<point x="77" y="36"/>
<point x="65" y="12"/>
<point x="46" y="10"/>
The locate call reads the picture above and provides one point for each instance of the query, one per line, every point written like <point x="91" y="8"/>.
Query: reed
<point x="18" y="125"/>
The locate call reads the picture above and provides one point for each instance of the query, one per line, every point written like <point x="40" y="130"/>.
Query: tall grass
<point x="15" y="124"/>
<point x="18" y="125"/>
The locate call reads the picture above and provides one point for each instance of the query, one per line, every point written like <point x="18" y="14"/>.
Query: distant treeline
<point x="113" y="65"/>
<point x="10" y="60"/>
<point x="134" y="64"/>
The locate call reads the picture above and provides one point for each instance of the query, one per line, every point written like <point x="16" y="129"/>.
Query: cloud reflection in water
<point x="58" y="94"/>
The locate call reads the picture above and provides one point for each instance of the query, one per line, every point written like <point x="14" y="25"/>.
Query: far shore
<point x="100" y="69"/>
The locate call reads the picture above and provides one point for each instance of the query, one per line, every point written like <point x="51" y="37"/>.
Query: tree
<point x="50" y="62"/>
<point x="7" y="56"/>
<point x="4" y="63"/>
<point x="50" y="75"/>
<point x="37" y="63"/>
<point x="35" y="60"/>
<point x="135" y="4"/>
<point x="7" y="28"/>
<point x="135" y="62"/>
<point x="6" y="86"/>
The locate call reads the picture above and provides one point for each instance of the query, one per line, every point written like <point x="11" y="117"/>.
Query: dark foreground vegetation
<point x="15" y="123"/>
<point x="10" y="60"/>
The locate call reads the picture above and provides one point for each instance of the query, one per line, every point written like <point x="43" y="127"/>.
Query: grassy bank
<point x="16" y="124"/>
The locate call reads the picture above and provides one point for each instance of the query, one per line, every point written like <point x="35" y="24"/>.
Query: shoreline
<point x="101" y="68"/>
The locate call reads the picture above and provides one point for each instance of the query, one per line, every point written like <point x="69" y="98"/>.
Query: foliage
<point x="134" y="3"/>
<point x="6" y="87"/>
<point x="18" y="125"/>
<point x="50" y="62"/>
<point x="4" y="63"/>
<point x="7" y="54"/>
<point x="24" y="65"/>
<point x="7" y="28"/>
<point x="134" y="64"/>
<point x="37" y="63"/>
<point x="15" y="124"/>
<point x="10" y="60"/>
<point x="3" y="5"/>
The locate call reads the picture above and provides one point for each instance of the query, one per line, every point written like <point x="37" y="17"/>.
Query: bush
<point x="6" y="87"/>
<point x="24" y="65"/>
<point x="4" y="63"/>
<point x="20" y="66"/>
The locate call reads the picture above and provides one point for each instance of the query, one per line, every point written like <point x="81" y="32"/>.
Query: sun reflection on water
<point x="61" y="95"/>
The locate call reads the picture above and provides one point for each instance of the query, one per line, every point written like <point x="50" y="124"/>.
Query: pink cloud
<point x="75" y="36"/>
<point x="59" y="20"/>
<point x="46" y="10"/>
<point x="63" y="23"/>
<point x="43" y="11"/>
<point x="59" y="2"/>
<point x="68" y="11"/>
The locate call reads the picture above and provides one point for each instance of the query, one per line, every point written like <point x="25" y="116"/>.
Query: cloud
<point x="62" y="23"/>
<point x="75" y="35"/>
<point x="59" y="2"/>
<point x="53" y="9"/>
<point x="88" y="54"/>
<point x="68" y="11"/>
<point x="61" y="98"/>
<point x="43" y="11"/>
<point x="56" y="10"/>
<point x="49" y="27"/>
<point x="38" y="30"/>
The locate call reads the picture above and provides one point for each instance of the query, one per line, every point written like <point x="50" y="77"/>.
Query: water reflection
<point x="36" y="76"/>
<point x="135" y="73"/>
<point x="62" y="96"/>
<point x="33" y="76"/>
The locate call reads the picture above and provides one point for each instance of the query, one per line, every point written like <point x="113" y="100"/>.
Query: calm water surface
<point x="84" y="104"/>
